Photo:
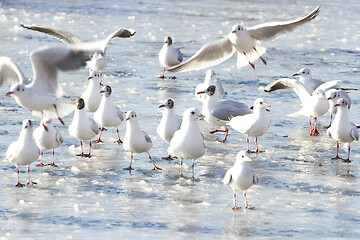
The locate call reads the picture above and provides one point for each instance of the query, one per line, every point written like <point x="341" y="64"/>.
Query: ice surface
<point x="302" y="193"/>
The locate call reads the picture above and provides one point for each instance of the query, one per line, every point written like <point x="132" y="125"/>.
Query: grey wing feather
<point x="209" y="55"/>
<point x="180" y="55"/>
<point x="63" y="36"/>
<point x="228" y="177"/>
<point x="354" y="133"/>
<point x="255" y="178"/>
<point x="271" y="30"/>
<point x="120" y="114"/>
<point x="219" y="88"/>
<point x="226" y="108"/>
<point x="94" y="126"/>
<point x="147" y="138"/>
<point x="59" y="137"/>
<point x="327" y="85"/>
<point x="10" y="72"/>
<point x="287" y="83"/>
<point x="121" y="33"/>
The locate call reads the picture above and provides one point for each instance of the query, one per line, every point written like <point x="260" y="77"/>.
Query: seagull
<point x="241" y="177"/>
<point x="47" y="137"/>
<point x="82" y="127"/>
<point x="92" y="95"/>
<point x="254" y="124"/>
<point x="23" y="151"/>
<point x="169" y="123"/>
<point x="305" y="77"/>
<point x="242" y="41"/>
<point x="314" y="104"/>
<point x="108" y="115"/>
<point x="342" y="130"/>
<point x="98" y="59"/>
<point x="333" y="95"/>
<point x="217" y="112"/>
<point x="188" y="142"/>
<point x="136" y="140"/>
<point x="169" y="56"/>
<point x="210" y="79"/>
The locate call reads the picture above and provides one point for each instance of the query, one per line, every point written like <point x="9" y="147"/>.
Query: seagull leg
<point x="173" y="77"/>
<point x="315" y="131"/>
<point x="88" y="155"/>
<point x="53" y="156"/>
<point x="248" y="148"/>
<point x="82" y="152"/>
<point x="348" y="158"/>
<point x="163" y="75"/>
<point x="18" y="184"/>
<point x="155" y="167"/>
<point x="226" y="134"/>
<point x="251" y="64"/>
<point x="130" y="168"/>
<point x="30" y="182"/>
<point x="41" y="159"/>
<point x="246" y="204"/>
<point x="119" y="140"/>
<point x="101" y="78"/>
<point x="42" y="118"/>
<point x="62" y="122"/>
<point x="235" y="207"/>
<point x="331" y="116"/>
<point x="99" y="139"/>
<point x="263" y="60"/>
<point x="168" y="158"/>
<point x="337" y="152"/>
<point x="181" y="163"/>
<point x="257" y="147"/>
<point x="310" y="126"/>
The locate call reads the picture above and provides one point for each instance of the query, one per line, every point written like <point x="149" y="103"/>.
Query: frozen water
<point x="302" y="193"/>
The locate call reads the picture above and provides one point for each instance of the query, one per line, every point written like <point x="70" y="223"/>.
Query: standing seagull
<point x="333" y="95"/>
<point x="241" y="177"/>
<point x="108" y="115"/>
<point x="210" y="79"/>
<point x="82" y="127"/>
<point x="342" y="130"/>
<point x="92" y="95"/>
<point x="98" y="59"/>
<point x="136" y="140"/>
<point x="188" y="142"/>
<point x="23" y="151"/>
<point x="314" y="104"/>
<point x="217" y="112"/>
<point x="242" y="41"/>
<point x="169" y="56"/>
<point x="169" y="123"/>
<point x="254" y="124"/>
<point x="47" y="137"/>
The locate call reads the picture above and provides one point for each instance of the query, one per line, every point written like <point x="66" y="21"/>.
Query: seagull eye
<point x="261" y="103"/>
<point x="17" y="89"/>
<point x="303" y="72"/>
<point x="192" y="112"/>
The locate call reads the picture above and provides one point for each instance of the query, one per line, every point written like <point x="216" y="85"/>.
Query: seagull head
<point x="319" y="93"/>
<point x="94" y="74"/>
<point x="16" y="90"/>
<point x="168" y="104"/>
<point x="27" y="123"/>
<point x="131" y="115"/>
<point x="80" y="103"/>
<point x="341" y="103"/>
<point x="237" y="28"/>
<point x="242" y="156"/>
<point x="210" y="75"/>
<point x="304" y="73"/>
<point x="332" y="94"/>
<point x="106" y="89"/>
<point x="168" y="40"/>
<point x="191" y="114"/>
<point x="209" y="91"/>
<point x="259" y="104"/>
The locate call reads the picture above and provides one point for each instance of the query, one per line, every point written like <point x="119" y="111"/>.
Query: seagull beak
<point x="89" y="78"/>
<point x="336" y="105"/>
<point x="127" y="119"/>
<point x="295" y="74"/>
<point x="233" y="31"/>
<point x="9" y="93"/>
<point x="329" y="98"/>
<point x="201" y="116"/>
<point x="266" y="105"/>
<point x="200" y="92"/>
<point x="161" y="106"/>
<point x="102" y="91"/>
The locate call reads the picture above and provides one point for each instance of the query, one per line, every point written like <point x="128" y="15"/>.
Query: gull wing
<point x="354" y="132"/>
<point x="65" y="37"/>
<point x="255" y="178"/>
<point x="120" y="113"/>
<point x="327" y="85"/>
<point x="228" y="177"/>
<point x="121" y="33"/>
<point x="59" y="137"/>
<point x="147" y="138"/>
<point x="271" y="30"/>
<point x="210" y="54"/>
<point x="94" y="126"/>
<point x="10" y="72"/>
<point x="225" y="108"/>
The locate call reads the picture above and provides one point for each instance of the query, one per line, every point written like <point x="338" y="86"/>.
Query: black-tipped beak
<point x="161" y="106"/>
<point x="295" y="74"/>
<point x="102" y="91"/>
<point x="9" y="93"/>
<point x="200" y="92"/>
<point x="336" y="105"/>
<point x="127" y="119"/>
<point x="329" y="98"/>
<point x="89" y="78"/>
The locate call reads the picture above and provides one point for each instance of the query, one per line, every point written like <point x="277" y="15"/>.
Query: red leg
<point x="226" y="134"/>
<point x="53" y="159"/>
<point x="155" y="167"/>
<point x="310" y="126"/>
<point x="101" y="78"/>
<point x="251" y="64"/>
<point x="246" y="204"/>
<point x="99" y="139"/>
<point x="348" y="158"/>
<point x="163" y="75"/>
<point x="315" y="131"/>
<point x="41" y="159"/>
<point x="257" y="147"/>
<point x="82" y="152"/>
<point x="235" y="207"/>
<point x="30" y="182"/>
<point x="263" y="60"/>
<point x="168" y="158"/>
<point x="62" y="122"/>
<point x="130" y="168"/>
<point x="173" y="77"/>
<point x="119" y="140"/>
<point x="18" y="184"/>
<point x="331" y="116"/>
<point x="248" y="148"/>
<point x="88" y="155"/>
<point x="337" y="152"/>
